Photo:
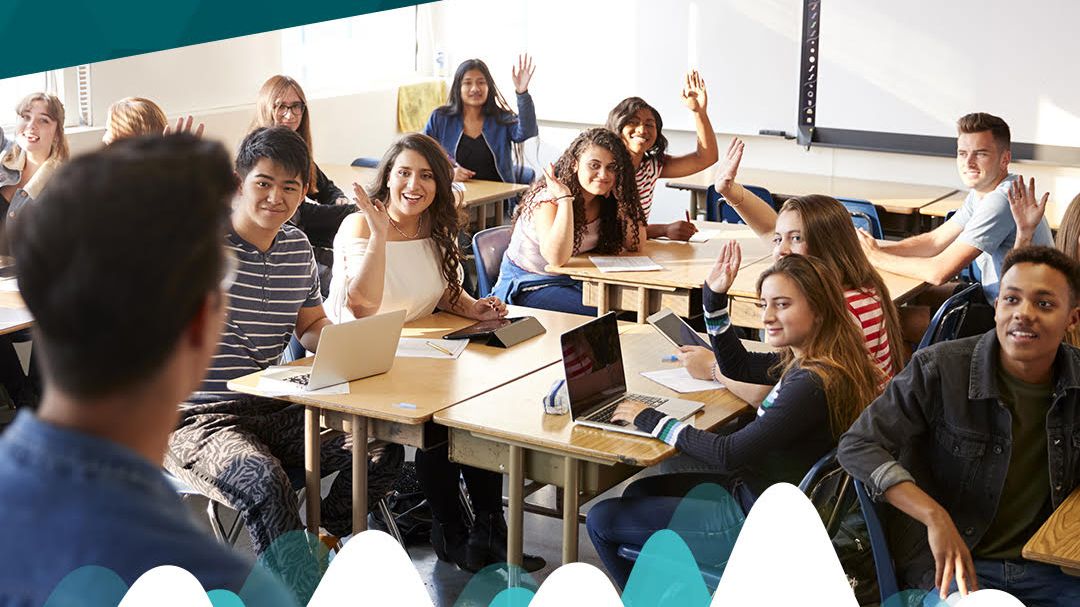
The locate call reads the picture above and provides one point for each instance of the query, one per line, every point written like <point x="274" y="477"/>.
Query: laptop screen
<point x="592" y="360"/>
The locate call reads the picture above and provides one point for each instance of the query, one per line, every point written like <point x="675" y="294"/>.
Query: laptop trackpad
<point x="679" y="409"/>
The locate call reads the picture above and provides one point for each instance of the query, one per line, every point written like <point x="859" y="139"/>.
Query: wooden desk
<point x="479" y="194"/>
<point x="372" y="408"/>
<point x="507" y="431"/>
<point x="893" y="197"/>
<point x="1058" y="541"/>
<point x="743" y="303"/>
<point x="13" y="313"/>
<point x="677" y="286"/>
<point x="940" y="209"/>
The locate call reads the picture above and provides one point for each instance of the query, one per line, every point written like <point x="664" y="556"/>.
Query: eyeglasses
<point x="295" y="109"/>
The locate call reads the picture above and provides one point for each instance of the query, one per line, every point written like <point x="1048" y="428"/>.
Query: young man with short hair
<point x="122" y="265"/>
<point x="982" y="230"/>
<point x="976" y="440"/>
<point x="235" y="448"/>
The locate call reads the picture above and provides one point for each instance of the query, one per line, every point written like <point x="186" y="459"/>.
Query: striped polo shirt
<point x="865" y="308"/>
<point x="646" y="177"/>
<point x="264" y="301"/>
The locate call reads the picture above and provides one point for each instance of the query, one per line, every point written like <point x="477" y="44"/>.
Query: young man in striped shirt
<point x="235" y="448"/>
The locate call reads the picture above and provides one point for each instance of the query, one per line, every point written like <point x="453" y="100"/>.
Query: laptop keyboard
<point x="603" y="415"/>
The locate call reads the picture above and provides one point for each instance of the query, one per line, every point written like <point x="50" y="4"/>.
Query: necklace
<point x="419" y="227"/>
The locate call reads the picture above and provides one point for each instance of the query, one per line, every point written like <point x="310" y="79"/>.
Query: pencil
<point x="688" y="215"/>
<point x="439" y="348"/>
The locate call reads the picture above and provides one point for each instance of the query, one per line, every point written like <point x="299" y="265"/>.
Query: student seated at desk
<point x="823" y="380"/>
<point x="234" y="448"/>
<point x="477" y="127"/>
<point x="975" y="441"/>
<point x="81" y="481"/>
<point x="642" y="130"/>
<point x="138" y="116"/>
<point x="588" y="203"/>
<point x="400" y="252"/>
<point x="282" y="103"/>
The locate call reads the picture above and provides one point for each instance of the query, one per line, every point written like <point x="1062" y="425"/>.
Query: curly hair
<point x="620" y="209"/>
<point x="626" y="110"/>
<point x="446" y="221"/>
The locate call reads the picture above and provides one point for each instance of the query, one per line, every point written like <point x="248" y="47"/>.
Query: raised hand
<point x="728" y="167"/>
<point x="184" y="126"/>
<point x="1027" y="210"/>
<point x="726" y="267"/>
<point x="522" y="73"/>
<point x="694" y="95"/>
<point x="554" y="187"/>
<point x="378" y="220"/>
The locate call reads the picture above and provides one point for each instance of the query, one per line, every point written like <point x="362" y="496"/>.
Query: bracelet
<point x="557" y="199"/>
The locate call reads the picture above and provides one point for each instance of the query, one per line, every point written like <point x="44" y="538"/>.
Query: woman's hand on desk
<point x="488" y="308"/>
<point x="680" y="230"/>
<point x="726" y="267"/>
<point x="375" y="214"/>
<point x="698" y="361"/>
<point x="627" y="411"/>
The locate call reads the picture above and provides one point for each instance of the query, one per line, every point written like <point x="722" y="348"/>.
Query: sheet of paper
<point x="9" y="285"/>
<point x="679" y="380"/>
<point x="10" y="317"/>
<point x="706" y="235"/>
<point x="270" y="386"/>
<point x="417" y="347"/>
<point x="624" y="263"/>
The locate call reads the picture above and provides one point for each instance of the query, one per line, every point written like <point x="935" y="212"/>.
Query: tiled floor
<point x="444" y="581"/>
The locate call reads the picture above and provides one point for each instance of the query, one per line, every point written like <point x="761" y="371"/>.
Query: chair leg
<point x="466" y="503"/>
<point x="216" y="525"/>
<point x="391" y="522"/>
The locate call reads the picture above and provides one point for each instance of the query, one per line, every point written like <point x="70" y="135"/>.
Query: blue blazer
<point x="447" y="130"/>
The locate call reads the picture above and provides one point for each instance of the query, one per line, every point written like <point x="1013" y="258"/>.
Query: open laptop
<point x="348" y="351"/>
<point x="596" y="381"/>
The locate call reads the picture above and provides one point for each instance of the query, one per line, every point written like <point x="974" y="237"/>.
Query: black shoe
<point x="449" y="542"/>
<point x="487" y="545"/>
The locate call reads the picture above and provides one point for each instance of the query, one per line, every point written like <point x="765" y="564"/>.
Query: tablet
<point x="676" y="330"/>
<point x="484" y="328"/>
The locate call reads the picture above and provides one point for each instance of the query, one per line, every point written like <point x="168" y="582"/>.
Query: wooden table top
<point x="685" y="263"/>
<point x="1055" y="210"/>
<point x="514" y="412"/>
<point x="900" y="287"/>
<point x="1058" y="540"/>
<point x="431" y="384"/>
<point x="13" y="313"/>
<point x="894" y="197"/>
<point x="477" y="192"/>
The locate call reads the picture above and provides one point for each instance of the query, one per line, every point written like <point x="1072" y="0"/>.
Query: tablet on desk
<point x="676" y="330"/>
<point x="484" y="328"/>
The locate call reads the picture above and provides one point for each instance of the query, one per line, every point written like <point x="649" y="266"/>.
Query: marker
<point x="405" y="405"/>
<point x="440" y="349"/>
<point x="670" y="358"/>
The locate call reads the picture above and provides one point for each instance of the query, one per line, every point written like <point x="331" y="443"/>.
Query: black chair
<point x="488" y="247"/>
<point x="366" y="162"/>
<point x="717" y="209"/>
<point x="949" y="318"/>
<point x="883" y="564"/>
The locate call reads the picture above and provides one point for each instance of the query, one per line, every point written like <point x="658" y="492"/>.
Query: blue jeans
<point x="708" y="526"/>
<point x="547" y="292"/>
<point x="1035" y="584"/>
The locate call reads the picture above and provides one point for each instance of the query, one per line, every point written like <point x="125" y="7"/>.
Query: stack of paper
<point x="624" y="263"/>
<point x="416" y="347"/>
<point x="680" y="380"/>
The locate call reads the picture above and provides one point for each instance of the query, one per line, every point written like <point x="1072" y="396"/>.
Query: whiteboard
<point x="915" y="67"/>
<point x="591" y="54"/>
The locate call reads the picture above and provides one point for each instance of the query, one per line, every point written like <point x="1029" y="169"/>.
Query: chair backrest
<point x="366" y="161"/>
<point x="949" y="318"/>
<point x="488" y="247"/>
<point x="717" y="210"/>
<point x="523" y="174"/>
<point x="862" y="211"/>
<point x="883" y="565"/>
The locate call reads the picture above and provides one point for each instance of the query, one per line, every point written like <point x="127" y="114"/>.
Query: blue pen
<point x="670" y="358"/>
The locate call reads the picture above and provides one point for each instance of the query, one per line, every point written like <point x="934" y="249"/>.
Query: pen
<point x="670" y="358"/>
<point x="440" y="348"/>
<point x="688" y="215"/>
<point x="405" y="405"/>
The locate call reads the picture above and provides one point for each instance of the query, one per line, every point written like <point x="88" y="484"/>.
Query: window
<point x="351" y="54"/>
<point x="71" y="85"/>
<point x="12" y="90"/>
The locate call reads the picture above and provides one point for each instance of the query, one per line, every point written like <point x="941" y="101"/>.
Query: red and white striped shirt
<point x="647" y="175"/>
<point x="865" y="307"/>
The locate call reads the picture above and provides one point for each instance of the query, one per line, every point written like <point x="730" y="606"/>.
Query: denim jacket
<point x="940" y="424"/>
<point x="447" y="130"/>
<point x="10" y="174"/>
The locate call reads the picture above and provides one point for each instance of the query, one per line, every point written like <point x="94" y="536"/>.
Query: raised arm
<point x="1027" y="210"/>
<point x="754" y="211"/>
<point x="522" y="74"/>
<point x="554" y="221"/>
<point x="695" y="97"/>
<point x="364" y="286"/>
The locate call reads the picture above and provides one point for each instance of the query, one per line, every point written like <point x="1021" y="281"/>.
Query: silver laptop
<point x="596" y="381"/>
<point x="348" y="351"/>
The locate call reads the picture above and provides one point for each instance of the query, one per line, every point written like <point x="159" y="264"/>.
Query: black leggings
<point x="439" y="480"/>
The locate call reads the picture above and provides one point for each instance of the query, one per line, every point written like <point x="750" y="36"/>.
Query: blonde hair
<point x="54" y="108"/>
<point x="835" y="351"/>
<point x="136" y="116"/>
<point x="273" y="89"/>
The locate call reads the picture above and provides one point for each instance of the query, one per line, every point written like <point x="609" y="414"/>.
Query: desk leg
<point x="642" y="305"/>
<point x="359" y="473"/>
<point x="481" y="217"/>
<point x="570" y="511"/>
<point x="516" y="499"/>
<point x="313" y="476"/>
<point x="601" y="298"/>
<point x="697" y="203"/>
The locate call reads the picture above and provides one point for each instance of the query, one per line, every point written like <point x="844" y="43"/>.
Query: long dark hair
<point x="445" y="219"/>
<point x="622" y="113"/>
<point x="618" y="210"/>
